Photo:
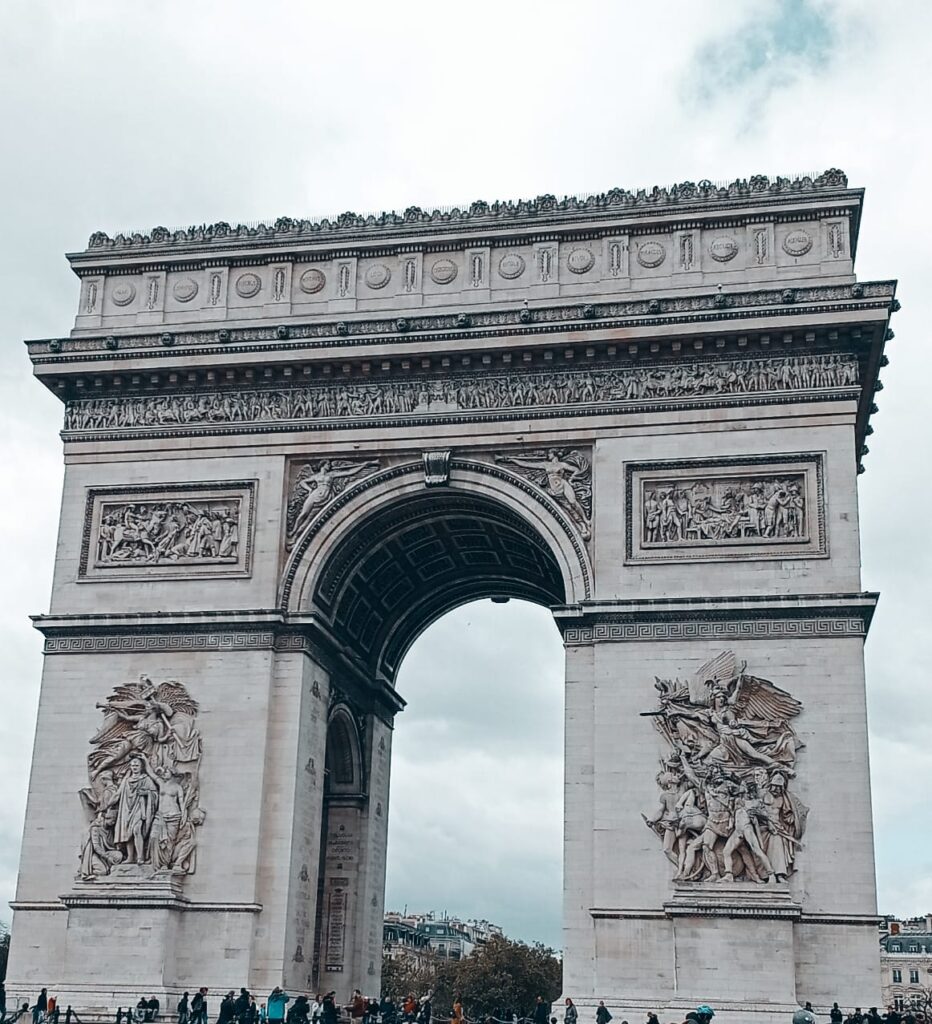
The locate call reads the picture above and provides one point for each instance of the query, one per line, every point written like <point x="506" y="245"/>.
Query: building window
<point x="913" y="948"/>
<point x="897" y="976"/>
<point x="914" y="977"/>
<point x="898" y="1003"/>
<point x="896" y="948"/>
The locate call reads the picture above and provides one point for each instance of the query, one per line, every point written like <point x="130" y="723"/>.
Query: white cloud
<point x="124" y="115"/>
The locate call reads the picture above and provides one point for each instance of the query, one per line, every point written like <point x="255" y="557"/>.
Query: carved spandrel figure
<point x="733" y="750"/>
<point x="143" y="782"/>
<point x="565" y="476"/>
<point x="317" y="484"/>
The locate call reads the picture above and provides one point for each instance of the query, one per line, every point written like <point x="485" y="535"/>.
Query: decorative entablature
<point x="669" y="241"/>
<point x="719" y="295"/>
<point x="719" y="619"/>
<point x="748" y="348"/>
<point x="545" y="210"/>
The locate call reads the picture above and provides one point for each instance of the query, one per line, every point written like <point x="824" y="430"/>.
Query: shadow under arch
<point x="391" y="556"/>
<point x="345" y="776"/>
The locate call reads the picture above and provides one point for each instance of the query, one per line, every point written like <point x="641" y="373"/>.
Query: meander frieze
<point x="468" y="395"/>
<point x="481" y="213"/>
<point x="727" y="811"/>
<point x="725" y="629"/>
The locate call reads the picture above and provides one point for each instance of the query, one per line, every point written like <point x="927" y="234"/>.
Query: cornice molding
<point x="671" y="310"/>
<point x="793" y="617"/>
<point x="542" y="212"/>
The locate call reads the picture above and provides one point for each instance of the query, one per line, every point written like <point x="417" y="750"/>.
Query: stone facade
<point x="290" y="448"/>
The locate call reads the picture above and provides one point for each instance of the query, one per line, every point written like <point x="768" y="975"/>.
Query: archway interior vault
<point x="404" y="566"/>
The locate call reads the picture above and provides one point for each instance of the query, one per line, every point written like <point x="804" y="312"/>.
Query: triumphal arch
<point x="290" y="447"/>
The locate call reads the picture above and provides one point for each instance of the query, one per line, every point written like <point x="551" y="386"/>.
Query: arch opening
<point x="405" y="565"/>
<point x="477" y="772"/>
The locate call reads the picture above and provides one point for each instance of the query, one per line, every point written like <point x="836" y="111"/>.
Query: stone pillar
<point x="353" y="891"/>
<point x="644" y="939"/>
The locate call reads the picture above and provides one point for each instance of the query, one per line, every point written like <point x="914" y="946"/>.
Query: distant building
<point x="906" y="961"/>
<point x="418" y="935"/>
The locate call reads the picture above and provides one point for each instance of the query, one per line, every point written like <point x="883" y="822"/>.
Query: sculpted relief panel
<point x="727" y="811"/>
<point x="173" y="531"/>
<point x="314" y="485"/>
<point x="142" y="794"/>
<point x="564" y="475"/>
<point x="466" y="394"/>
<point x="707" y="509"/>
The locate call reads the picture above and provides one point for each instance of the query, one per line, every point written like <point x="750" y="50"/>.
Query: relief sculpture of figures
<point x="142" y="796"/>
<point x="316" y="485"/>
<point x="565" y="475"/>
<point x="169" y="533"/>
<point x="726" y="812"/>
<point x="712" y="510"/>
<point x="467" y="393"/>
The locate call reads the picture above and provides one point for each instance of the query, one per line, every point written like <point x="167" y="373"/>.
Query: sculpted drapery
<point x="726" y="812"/>
<point x="142" y="793"/>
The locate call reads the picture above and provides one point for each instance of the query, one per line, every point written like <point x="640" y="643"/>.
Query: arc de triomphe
<point x="290" y="447"/>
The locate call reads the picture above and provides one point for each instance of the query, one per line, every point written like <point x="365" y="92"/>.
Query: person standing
<point x="276" y="1005"/>
<point x="154" y="1008"/>
<point x="835" y="1014"/>
<point x="41" y="1008"/>
<point x="227" y="1009"/>
<point x="541" y="1011"/>
<point x="241" y="1005"/>
<point x="183" y="1008"/>
<point x="458" y="1016"/>
<point x="602" y="1016"/>
<point x="570" y="1014"/>
<point x="199" y="1007"/>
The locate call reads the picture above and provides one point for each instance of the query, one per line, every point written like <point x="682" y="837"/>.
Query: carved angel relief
<point x="565" y="475"/>
<point x="142" y="797"/>
<point x="726" y="812"/>
<point x="315" y="486"/>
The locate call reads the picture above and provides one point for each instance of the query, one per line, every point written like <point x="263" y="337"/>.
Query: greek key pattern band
<point x="158" y="642"/>
<point x="741" y="629"/>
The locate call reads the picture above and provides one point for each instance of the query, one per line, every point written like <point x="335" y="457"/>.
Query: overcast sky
<point x="123" y="115"/>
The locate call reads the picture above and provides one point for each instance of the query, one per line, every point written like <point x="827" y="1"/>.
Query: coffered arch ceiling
<point x="407" y="564"/>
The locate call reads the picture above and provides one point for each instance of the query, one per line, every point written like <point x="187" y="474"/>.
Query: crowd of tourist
<point x="325" y="1009"/>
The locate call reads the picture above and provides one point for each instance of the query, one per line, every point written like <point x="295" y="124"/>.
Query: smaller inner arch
<point x="404" y="566"/>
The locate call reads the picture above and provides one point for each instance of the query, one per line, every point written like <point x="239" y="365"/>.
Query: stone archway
<point x="398" y="556"/>
<point x="290" y="447"/>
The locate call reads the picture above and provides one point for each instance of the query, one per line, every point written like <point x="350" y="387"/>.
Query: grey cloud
<point x="122" y="116"/>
